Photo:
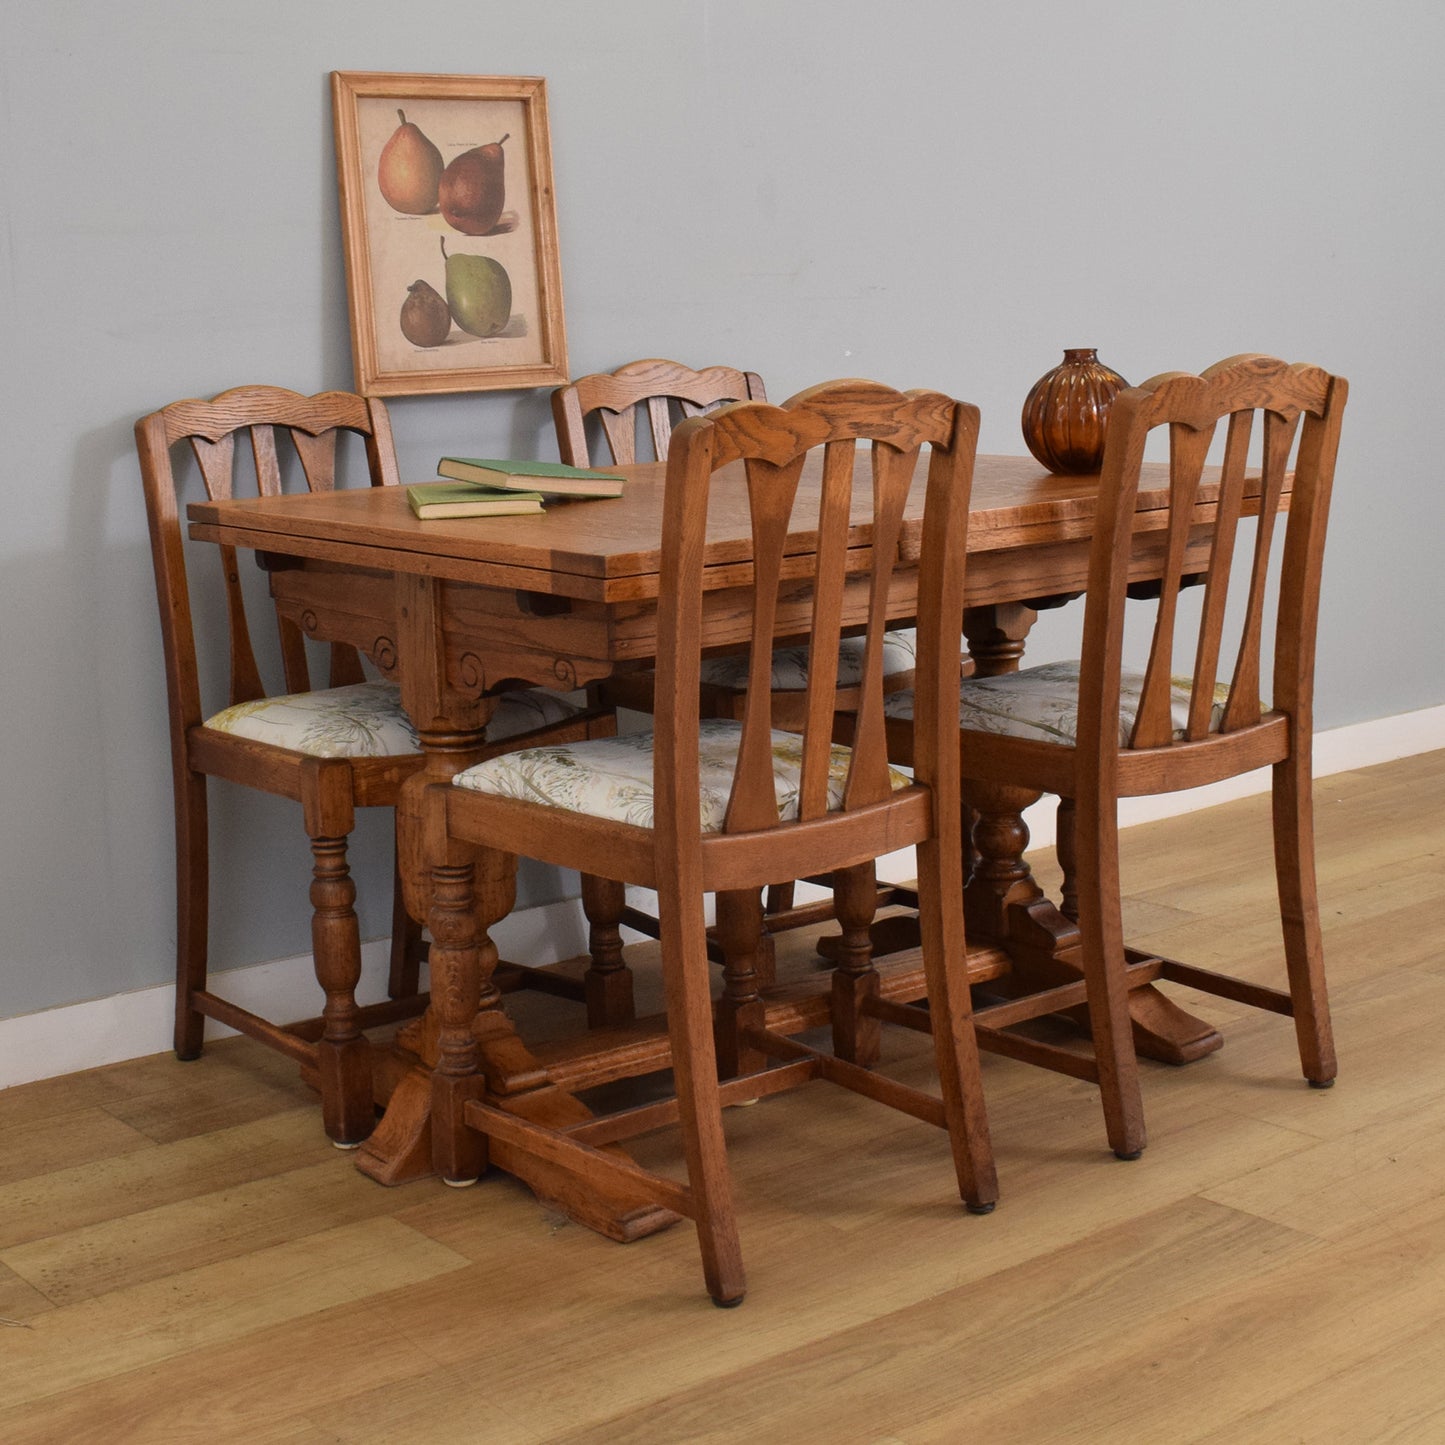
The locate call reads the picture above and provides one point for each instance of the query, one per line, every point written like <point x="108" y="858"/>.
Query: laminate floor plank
<point x="144" y="1324"/>
<point x="204" y="1229"/>
<point x="260" y="1386"/>
<point x="79" y="1138"/>
<point x="109" y="1189"/>
<point x="20" y="1302"/>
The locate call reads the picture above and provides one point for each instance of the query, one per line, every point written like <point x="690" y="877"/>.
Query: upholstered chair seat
<point x="367" y="720"/>
<point x="612" y="778"/>
<point x="1042" y="703"/>
<point x="790" y="664"/>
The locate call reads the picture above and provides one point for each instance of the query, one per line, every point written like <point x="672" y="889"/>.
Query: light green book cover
<point x="554" y="477"/>
<point x="464" y="499"/>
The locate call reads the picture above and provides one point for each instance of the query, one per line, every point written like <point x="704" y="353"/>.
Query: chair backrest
<point x="811" y="571"/>
<point x="266" y="414"/>
<point x="1284" y="396"/>
<point x="668" y="391"/>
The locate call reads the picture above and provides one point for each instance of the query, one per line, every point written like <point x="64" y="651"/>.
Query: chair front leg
<point x="1064" y="852"/>
<point x="857" y="1034"/>
<point x="608" y="980"/>
<point x="743" y="941"/>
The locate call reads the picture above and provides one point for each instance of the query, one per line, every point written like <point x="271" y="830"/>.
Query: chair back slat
<point x="1245" y="706"/>
<point x="318" y="458"/>
<point x="1218" y="573"/>
<point x="210" y="428"/>
<point x="807" y="479"/>
<point x="1188" y="449"/>
<point x="835" y="507"/>
<point x="1300" y="403"/>
<point x="620" y="430"/>
<point x="772" y="490"/>
<point x="667" y="390"/>
<point x="893" y="469"/>
<point x="267" y="459"/>
<point x="217" y="463"/>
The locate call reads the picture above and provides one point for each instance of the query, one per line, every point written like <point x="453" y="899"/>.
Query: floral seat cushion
<point x="1042" y="703"/>
<point x="612" y="777"/>
<point x="366" y="720"/>
<point x="790" y="664"/>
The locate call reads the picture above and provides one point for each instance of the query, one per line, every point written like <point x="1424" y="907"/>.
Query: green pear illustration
<point x="409" y="170"/>
<point x="479" y="292"/>
<point x="425" y="317"/>
<point x="472" y="189"/>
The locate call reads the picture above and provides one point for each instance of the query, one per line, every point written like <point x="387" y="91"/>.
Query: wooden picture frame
<point x="450" y="228"/>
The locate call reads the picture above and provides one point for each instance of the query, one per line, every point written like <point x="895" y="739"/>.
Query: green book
<point x="430" y="500"/>
<point x="551" y="478"/>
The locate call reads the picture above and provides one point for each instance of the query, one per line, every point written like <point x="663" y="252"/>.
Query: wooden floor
<point x="183" y="1257"/>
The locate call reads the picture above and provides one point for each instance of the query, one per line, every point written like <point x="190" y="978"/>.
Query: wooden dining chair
<point x="1095" y="730"/>
<point x="652" y="396"/>
<point x="345" y="745"/>
<point x="706" y="805"/>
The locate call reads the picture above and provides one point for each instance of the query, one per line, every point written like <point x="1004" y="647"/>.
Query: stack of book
<point x="476" y="487"/>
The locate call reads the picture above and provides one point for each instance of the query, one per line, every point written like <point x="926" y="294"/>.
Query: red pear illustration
<point x="472" y="189"/>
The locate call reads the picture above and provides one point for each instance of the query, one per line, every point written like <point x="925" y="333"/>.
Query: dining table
<point x="458" y="610"/>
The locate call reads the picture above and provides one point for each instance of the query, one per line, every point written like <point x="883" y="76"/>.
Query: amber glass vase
<point x="1066" y="414"/>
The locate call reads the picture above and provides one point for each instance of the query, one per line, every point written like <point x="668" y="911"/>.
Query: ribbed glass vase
<point x="1066" y="413"/>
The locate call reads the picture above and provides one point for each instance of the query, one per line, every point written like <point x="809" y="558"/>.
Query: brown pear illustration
<point x="425" y="317"/>
<point x="409" y="170"/>
<point x="472" y="189"/>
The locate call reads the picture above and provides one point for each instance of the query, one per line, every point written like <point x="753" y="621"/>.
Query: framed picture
<point x="450" y="227"/>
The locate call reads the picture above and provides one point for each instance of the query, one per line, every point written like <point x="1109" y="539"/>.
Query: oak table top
<point x="607" y="550"/>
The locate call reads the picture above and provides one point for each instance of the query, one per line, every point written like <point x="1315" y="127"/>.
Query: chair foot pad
<point x="189" y="1057"/>
<point x="1134" y="1154"/>
<point x="1320" y="1083"/>
<point x="458" y="1183"/>
<point x="730" y="1304"/>
<point x="343" y="1144"/>
<point x="980" y="1208"/>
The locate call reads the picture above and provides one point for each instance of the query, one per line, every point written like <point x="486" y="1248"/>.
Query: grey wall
<point x="930" y="194"/>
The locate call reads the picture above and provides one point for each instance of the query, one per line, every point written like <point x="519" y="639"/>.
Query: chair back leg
<point x="193" y="884"/>
<point x="689" y="1022"/>
<point x="1101" y="937"/>
<point x="950" y="1010"/>
<point x="1294" y="865"/>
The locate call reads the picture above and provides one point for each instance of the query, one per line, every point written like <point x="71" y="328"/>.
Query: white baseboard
<point x="130" y="1025"/>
